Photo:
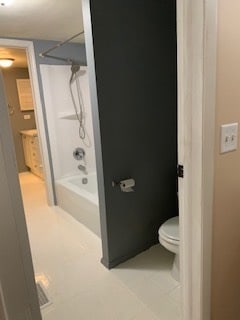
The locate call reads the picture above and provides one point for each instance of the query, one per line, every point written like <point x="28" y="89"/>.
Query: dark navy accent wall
<point x="136" y="73"/>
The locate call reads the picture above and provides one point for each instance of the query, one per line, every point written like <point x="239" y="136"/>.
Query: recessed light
<point x="6" y="62"/>
<point x="5" y="3"/>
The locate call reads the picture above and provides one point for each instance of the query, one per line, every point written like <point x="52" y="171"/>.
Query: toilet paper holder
<point x="125" y="185"/>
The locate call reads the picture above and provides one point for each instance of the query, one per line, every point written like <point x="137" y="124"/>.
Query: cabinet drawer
<point x="37" y="169"/>
<point x="32" y="141"/>
<point x="35" y="165"/>
<point x="32" y="154"/>
<point x="35" y="154"/>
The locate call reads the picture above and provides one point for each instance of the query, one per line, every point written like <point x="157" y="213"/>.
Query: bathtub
<point x="80" y="200"/>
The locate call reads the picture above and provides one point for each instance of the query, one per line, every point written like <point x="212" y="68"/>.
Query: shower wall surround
<point x="74" y="50"/>
<point x="63" y="126"/>
<point x="136" y="72"/>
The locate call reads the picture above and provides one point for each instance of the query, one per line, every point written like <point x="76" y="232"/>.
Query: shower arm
<point x="68" y="60"/>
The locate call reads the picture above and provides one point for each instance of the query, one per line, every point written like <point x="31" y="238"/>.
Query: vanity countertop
<point x="32" y="132"/>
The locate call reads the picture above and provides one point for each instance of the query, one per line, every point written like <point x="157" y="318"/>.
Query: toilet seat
<point x="169" y="231"/>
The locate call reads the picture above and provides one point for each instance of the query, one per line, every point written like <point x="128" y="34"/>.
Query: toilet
<point x="169" y="239"/>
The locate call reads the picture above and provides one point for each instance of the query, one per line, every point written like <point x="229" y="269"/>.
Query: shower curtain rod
<point x="46" y="55"/>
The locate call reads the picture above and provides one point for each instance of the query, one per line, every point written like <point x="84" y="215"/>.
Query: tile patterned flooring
<point x="66" y="257"/>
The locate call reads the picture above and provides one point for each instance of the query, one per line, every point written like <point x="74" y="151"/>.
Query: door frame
<point x="13" y="220"/>
<point x="196" y="38"/>
<point x="38" y="108"/>
<point x="197" y="47"/>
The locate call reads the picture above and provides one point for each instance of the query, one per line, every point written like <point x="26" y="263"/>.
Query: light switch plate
<point x="229" y="137"/>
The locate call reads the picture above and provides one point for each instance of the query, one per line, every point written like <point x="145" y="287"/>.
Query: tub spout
<point x="82" y="168"/>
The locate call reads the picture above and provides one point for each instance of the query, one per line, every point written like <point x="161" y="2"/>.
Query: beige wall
<point x="226" y="221"/>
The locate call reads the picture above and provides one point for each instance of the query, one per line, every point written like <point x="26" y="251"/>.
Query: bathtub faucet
<point x="82" y="168"/>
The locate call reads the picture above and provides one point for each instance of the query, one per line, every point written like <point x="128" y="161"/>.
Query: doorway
<point x="21" y="112"/>
<point x="184" y="35"/>
<point x="44" y="162"/>
<point x="151" y="255"/>
<point x="68" y="252"/>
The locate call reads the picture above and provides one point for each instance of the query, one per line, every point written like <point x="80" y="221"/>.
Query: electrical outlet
<point x="229" y="137"/>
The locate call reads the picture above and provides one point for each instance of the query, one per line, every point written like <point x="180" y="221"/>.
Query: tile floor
<point x="66" y="258"/>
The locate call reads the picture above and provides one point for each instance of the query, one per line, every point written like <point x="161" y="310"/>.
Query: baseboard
<point x="115" y="262"/>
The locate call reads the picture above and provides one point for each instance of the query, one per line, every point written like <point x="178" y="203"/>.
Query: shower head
<point x="74" y="68"/>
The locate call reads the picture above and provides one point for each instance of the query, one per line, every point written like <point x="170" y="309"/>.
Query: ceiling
<point x="41" y="19"/>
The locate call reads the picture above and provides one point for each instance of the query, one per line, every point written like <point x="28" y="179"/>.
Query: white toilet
<point x="169" y="239"/>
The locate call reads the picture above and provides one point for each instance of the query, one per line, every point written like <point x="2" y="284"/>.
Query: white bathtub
<point x="80" y="200"/>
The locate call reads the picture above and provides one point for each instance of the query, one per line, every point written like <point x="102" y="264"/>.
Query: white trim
<point x="196" y="28"/>
<point x="28" y="45"/>
<point x="183" y="82"/>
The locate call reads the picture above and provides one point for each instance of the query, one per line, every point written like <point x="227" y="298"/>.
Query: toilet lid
<point x="170" y="229"/>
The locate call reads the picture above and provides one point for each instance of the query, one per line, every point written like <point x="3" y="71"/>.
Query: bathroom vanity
<point x="32" y="152"/>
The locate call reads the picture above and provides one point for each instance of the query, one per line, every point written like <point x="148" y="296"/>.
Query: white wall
<point x="63" y="133"/>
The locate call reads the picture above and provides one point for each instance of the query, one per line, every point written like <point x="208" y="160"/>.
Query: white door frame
<point x="196" y="37"/>
<point x="28" y="46"/>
